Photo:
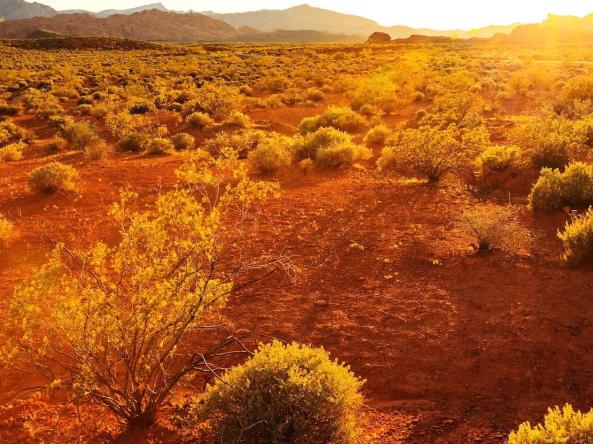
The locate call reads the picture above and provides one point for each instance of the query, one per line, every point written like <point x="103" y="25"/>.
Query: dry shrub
<point x="272" y="154"/>
<point x="496" y="228"/>
<point x="238" y="120"/>
<point x="330" y="148"/>
<point x="182" y="141"/>
<point x="285" y="394"/>
<point x="498" y="158"/>
<point x="337" y="117"/>
<point x="377" y="136"/>
<point x="12" y="152"/>
<point x="159" y="145"/>
<point x="199" y="120"/>
<point x="53" y="177"/>
<point x="6" y="229"/>
<point x="78" y="134"/>
<point x="97" y="150"/>
<point x="135" y="143"/>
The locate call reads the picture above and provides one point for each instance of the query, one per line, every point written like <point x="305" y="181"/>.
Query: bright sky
<point x="436" y="14"/>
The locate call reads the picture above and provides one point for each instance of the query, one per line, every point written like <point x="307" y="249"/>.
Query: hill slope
<point x="108" y="12"/>
<point x="555" y="29"/>
<point x="146" y="25"/>
<point x="20" y="9"/>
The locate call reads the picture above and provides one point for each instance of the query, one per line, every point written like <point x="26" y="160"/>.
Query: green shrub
<point x="53" y="177"/>
<point x="554" y="189"/>
<point x="334" y="116"/>
<point x="577" y="239"/>
<point x="271" y="155"/>
<point x="560" y="426"/>
<point x="495" y="228"/>
<point x="286" y="394"/>
<point x="377" y="136"/>
<point x="12" y="152"/>
<point x="159" y="145"/>
<point x="498" y="158"/>
<point x="182" y="141"/>
<point x="199" y="120"/>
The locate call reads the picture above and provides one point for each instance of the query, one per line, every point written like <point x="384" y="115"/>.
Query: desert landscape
<point x="212" y="231"/>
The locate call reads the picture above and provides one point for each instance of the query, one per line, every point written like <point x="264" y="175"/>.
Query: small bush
<point x="238" y="120"/>
<point x="159" y="146"/>
<point x="496" y="228"/>
<point x="9" y="110"/>
<point x="182" y="141"/>
<point x="577" y="239"/>
<point x="199" y="120"/>
<point x="271" y="155"/>
<point x="53" y="177"/>
<point x="97" y="150"/>
<point x="286" y="394"/>
<point x="55" y="146"/>
<point x="377" y="136"/>
<point x="6" y="229"/>
<point x="135" y="143"/>
<point x="554" y="189"/>
<point x="560" y="426"/>
<point x="498" y="158"/>
<point x="78" y="134"/>
<point x="334" y="116"/>
<point x="12" y="152"/>
<point x="331" y="148"/>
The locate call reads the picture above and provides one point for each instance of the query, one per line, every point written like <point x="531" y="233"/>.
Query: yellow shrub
<point x="53" y="177"/>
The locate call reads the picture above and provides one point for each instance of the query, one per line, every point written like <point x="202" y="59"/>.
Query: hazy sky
<point x="438" y="14"/>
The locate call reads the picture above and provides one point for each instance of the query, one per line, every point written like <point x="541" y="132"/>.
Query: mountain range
<point x="302" y="23"/>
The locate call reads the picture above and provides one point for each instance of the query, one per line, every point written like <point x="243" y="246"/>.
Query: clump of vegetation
<point x="53" y="177"/>
<point x="336" y="117"/>
<point x="143" y="300"/>
<point x="330" y="148"/>
<point x="182" y="141"/>
<point x="216" y="100"/>
<point x="560" y="426"/>
<point x="199" y="120"/>
<point x="78" y="134"/>
<point x="12" y="152"/>
<point x="272" y="154"/>
<point x="159" y="145"/>
<point x="97" y="150"/>
<point x="134" y="143"/>
<point x="6" y="229"/>
<point x="285" y="394"/>
<point x="434" y="152"/>
<point x="377" y="136"/>
<point x="577" y="238"/>
<point x="238" y="120"/>
<point x="555" y="189"/>
<point x="498" y="158"/>
<point x="496" y="228"/>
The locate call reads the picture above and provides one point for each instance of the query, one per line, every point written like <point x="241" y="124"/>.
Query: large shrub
<point x="199" y="120"/>
<point x="272" y="154"/>
<point x="377" y="136"/>
<point x="560" y="426"/>
<point x="577" y="238"/>
<point x="53" y="177"/>
<point x="498" y="158"/>
<point x="216" y="100"/>
<point x="555" y="189"/>
<point x="434" y="152"/>
<point x="78" y="134"/>
<point x="286" y="394"/>
<point x="183" y="141"/>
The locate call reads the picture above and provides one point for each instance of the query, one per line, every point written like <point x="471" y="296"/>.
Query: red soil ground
<point x="455" y="347"/>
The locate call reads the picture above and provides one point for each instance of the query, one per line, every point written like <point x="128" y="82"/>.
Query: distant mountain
<point x="20" y="9"/>
<point x="295" y="36"/>
<point x="555" y="29"/>
<point x="107" y="12"/>
<point x="146" y="25"/>
<point x="308" y="17"/>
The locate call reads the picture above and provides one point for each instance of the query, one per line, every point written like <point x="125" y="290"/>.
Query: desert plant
<point x="159" y="145"/>
<point x="238" y="120"/>
<point x="6" y="229"/>
<point x="199" y="120"/>
<point x="285" y="394"/>
<point x="135" y="143"/>
<point x="98" y="149"/>
<point x="336" y="117"/>
<point x="12" y="152"/>
<point x="53" y="177"/>
<point x="377" y="136"/>
<point x="78" y="134"/>
<point x="554" y="189"/>
<point x="182" y="141"/>
<point x="577" y="238"/>
<point x="498" y="158"/>
<point x="330" y="148"/>
<point x="495" y="228"/>
<point x="560" y="426"/>
<point x="118" y="325"/>
<point x="271" y="155"/>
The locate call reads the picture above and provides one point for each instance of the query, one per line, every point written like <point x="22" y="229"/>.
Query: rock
<point x="379" y="37"/>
